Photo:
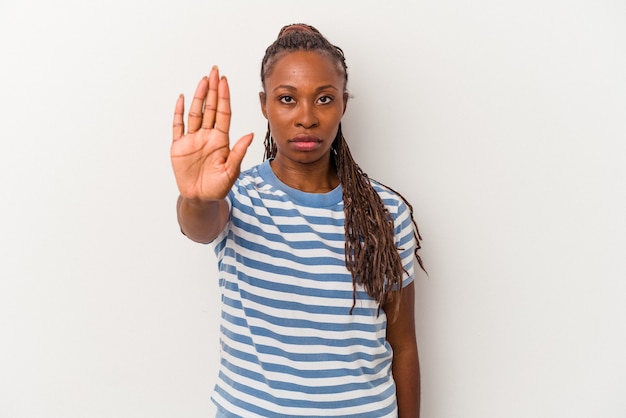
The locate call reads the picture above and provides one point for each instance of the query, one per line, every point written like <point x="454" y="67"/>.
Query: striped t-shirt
<point x="289" y="345"/>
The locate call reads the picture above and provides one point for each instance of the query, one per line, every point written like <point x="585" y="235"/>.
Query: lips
<point x="305" y="138"/>
<point x="305" y="142"/>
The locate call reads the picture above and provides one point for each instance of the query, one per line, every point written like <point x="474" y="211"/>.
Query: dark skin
<point x="405" y="367"/>
<point x="205" y="165"/>
<point x="303" y="100"/>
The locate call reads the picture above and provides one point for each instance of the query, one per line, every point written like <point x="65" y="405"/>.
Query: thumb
<point x="235" y="157"/>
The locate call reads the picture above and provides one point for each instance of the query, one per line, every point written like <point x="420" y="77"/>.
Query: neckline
<point x="319" y="200"/>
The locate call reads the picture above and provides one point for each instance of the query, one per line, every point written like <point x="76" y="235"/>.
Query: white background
<point x="503" y="122"/>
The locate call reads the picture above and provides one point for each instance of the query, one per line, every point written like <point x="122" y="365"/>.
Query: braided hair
<point x="370" y="250"/>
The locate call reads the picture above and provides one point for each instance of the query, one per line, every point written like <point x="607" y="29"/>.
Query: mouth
<point x="305" y="142"/>
<point x="305" y="138"/>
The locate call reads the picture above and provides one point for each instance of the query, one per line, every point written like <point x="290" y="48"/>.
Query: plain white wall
<point x="503" y="123"/>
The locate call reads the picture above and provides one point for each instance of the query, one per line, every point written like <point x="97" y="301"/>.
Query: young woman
<point x="316" y="260"/>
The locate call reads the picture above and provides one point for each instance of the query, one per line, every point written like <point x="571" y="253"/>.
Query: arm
<point x="201" y="221"/>
<point x="405" y="367"/>
<point x="204" y="164"/>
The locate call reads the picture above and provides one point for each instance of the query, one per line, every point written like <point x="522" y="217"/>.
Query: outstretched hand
<point x="204" y="164"/>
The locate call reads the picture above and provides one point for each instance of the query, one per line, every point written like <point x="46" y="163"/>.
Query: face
<point x="304" y="101"/>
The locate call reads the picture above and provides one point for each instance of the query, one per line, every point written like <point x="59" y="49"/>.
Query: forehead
<point x="305" y="67"/>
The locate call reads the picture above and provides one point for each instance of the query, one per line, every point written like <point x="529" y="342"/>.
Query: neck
<point x="318" y="177"/>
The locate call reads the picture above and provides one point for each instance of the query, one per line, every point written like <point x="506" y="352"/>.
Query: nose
<point x="306" y="116"/>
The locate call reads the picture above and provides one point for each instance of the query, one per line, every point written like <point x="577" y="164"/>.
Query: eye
<point x="286" y="99"/>
<point x="325" y="100"/>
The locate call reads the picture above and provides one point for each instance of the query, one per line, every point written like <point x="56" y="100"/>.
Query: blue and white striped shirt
<point x="289" y="345"/>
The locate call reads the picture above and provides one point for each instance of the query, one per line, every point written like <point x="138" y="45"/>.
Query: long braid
<point x="270" y="145"/>
<point x="370" y="250"/>
<point x="371" y="253"/>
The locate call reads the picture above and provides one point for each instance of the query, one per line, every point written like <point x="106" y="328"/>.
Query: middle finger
<point x="195" y="110"/>
<point x="210" y="104"/>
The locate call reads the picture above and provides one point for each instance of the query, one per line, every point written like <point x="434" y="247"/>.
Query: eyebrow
<point x="292" y="88"/>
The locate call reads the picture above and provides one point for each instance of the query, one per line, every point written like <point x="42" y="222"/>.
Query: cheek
<point x="277" y="124"/>
<point x="336" y="117"/>
<point x="278" y="116"/>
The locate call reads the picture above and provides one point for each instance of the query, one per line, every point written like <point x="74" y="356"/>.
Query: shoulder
<point x="399" y="208"/>
<point x="394" y="202"/>
<point x="251" y="174"/>
<point x="256" y="186"/>
<point x="250" y="179"/>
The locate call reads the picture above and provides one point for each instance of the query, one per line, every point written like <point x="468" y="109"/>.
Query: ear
<point x="262" y="98"/>
<point x="346" y="96"/>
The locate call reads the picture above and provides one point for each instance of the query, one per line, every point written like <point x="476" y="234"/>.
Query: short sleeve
<point x="406" y="243"/>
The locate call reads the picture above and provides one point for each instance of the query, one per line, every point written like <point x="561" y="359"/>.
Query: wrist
<point x="199" y="203"/>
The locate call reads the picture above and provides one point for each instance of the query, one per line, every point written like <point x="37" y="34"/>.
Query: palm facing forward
<point x="204" y="165"/>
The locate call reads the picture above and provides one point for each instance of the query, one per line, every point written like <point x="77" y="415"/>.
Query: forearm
<point x="405" y="366"/>
<point x="406" y="373"/>
<point x="201" y="221"/>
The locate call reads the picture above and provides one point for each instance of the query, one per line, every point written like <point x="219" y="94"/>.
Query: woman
<point x="316" y="260"/>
